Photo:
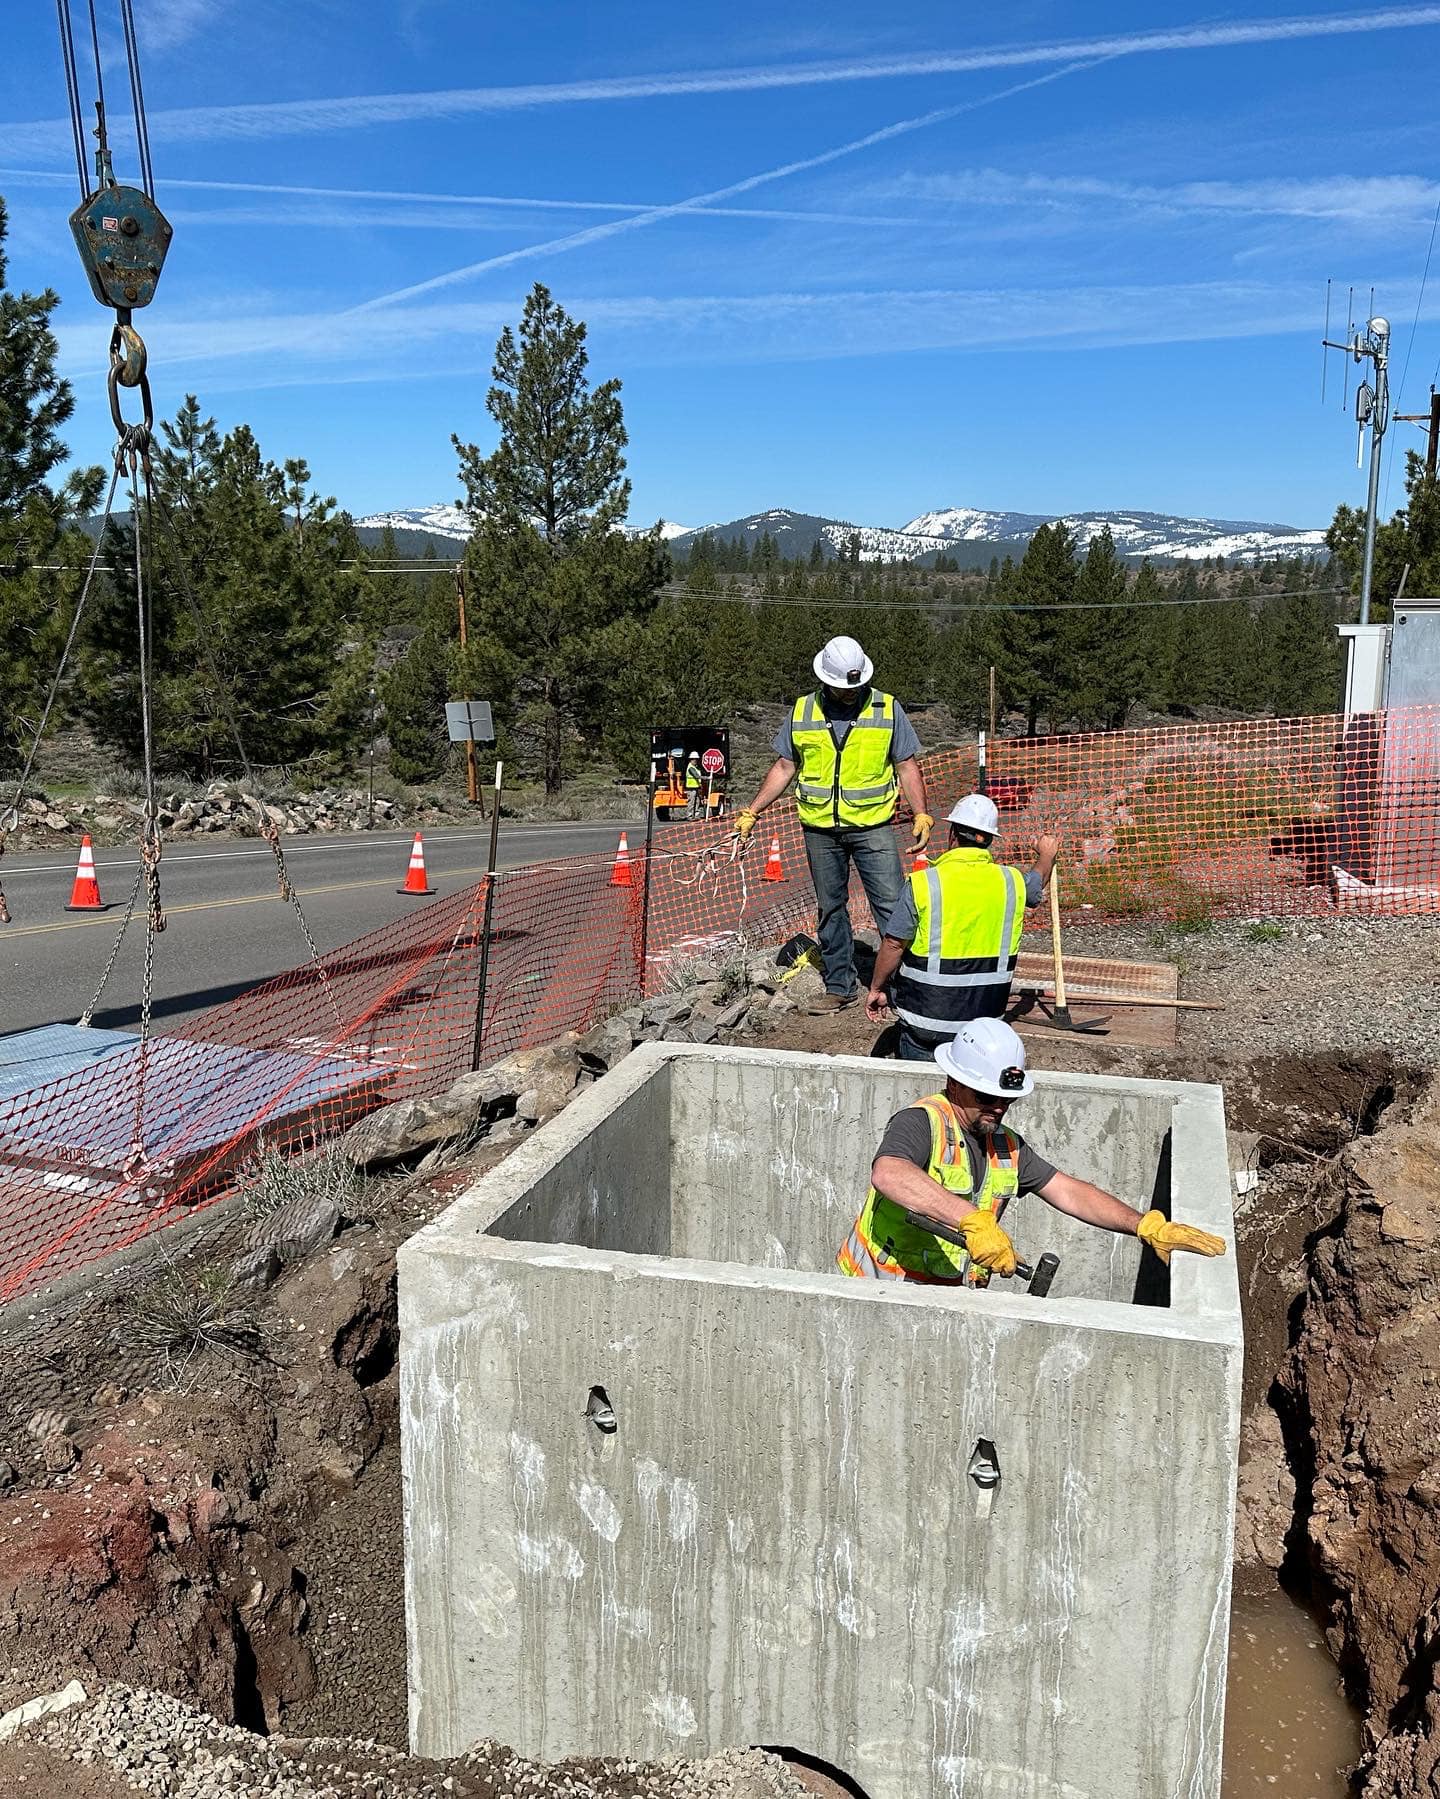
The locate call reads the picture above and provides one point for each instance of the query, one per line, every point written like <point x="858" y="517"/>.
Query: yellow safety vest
<point x="884" y="1244"/>
<point x="692" y="774"/>
<point x="855" y="786"/>
<point x="959" y="964"/>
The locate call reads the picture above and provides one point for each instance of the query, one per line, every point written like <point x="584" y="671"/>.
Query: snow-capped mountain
<point x="967" y="533"/>
<point x="435" y="521"/>
<point x="981" y="534"/>
<point x="452" y="521"/>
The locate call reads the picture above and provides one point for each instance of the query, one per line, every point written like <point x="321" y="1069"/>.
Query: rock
<point x="781" y="1002"/>
<point x="107" y="821"/>
<point x="763" y="973"/>
<point x="49" y="1421"/>
<point x="804" y="986"/>
<point x="732" y="1014"/>
<point x="42" y="1706"/>
<point x="666" y="1008"/>
<point x="298" y="1228"/>
<point x="256" y="1270"/>
<point x="704" y="1030"/>
<point x="607" y="1043"/>
<point x="532" y="1084"/>
<point x="56" y="821"/>
<point x="703" y="972"/>
<point x="111" y="1394"/>
<point x="8" y="1475"/>
<point x="59" y="1453"/>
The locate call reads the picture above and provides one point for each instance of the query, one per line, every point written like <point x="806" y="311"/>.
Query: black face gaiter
<point x="846" y="702"/>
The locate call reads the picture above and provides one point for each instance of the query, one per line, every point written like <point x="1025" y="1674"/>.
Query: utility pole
<point x="1372" y="408"/>
<point x="472" y="782"/>
<point x="1431" y="420"/>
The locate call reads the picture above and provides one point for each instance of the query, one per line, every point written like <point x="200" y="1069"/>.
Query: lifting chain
<point x="270" y="831"/>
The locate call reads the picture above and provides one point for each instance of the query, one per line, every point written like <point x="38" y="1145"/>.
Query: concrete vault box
<point x="672" y="1483"/>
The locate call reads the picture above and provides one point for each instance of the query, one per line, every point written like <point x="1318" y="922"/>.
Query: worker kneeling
<point x="951" y="1159"/>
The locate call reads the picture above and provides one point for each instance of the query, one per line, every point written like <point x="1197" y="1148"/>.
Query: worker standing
<point x="951" y="1158"/>
<point x="951" y="942"/>
<point x="693" y="781"/>
<point x="853" y="751"/>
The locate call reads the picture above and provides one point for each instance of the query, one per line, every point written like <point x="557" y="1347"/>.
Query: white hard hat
<point x="977" y="814"/>
<point x="842" y="663"/>
<point x="987" y="1056"/>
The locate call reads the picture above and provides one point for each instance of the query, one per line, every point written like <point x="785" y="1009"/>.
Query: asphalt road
<point x="227" y="929"/>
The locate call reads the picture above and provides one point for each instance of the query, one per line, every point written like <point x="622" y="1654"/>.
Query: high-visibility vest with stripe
<point x="692" y="774"/>
<point x="884" y="1244"/>
<point x="960" y="961"/>
<point x="855" y="785"/>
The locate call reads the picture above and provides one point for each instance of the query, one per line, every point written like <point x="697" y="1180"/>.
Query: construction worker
<point x="951" y="942"/>
<point x="952" y="1159"/>
<point x="693" y="781"/>
<point x="853" y="750"/>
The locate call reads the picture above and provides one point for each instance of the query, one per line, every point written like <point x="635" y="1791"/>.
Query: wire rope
<point x="72" y="91"/>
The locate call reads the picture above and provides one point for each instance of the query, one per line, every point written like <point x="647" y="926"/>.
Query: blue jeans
<point x="911" y="1048"/>
<point x="876" y="857"/>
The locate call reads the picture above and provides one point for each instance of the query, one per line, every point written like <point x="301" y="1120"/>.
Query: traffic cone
<point x="773" y="870"/>
<point x="85" y="893"/>
<point x="920" y="864"/>
<point x="620" y="873"/>
<point x="416" y="880"/>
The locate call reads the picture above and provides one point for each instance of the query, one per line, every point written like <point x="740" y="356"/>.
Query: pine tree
<point x="1411" y="537"/>
<point x="37" y="518"/>
<point x="550" y="567"/>
<point x="249" y="593"/>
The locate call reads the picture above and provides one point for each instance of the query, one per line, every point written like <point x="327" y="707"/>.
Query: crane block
<point x="122" y="236"/>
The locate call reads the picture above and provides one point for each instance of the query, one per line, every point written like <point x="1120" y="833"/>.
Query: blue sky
<point x="1036" y="257"/>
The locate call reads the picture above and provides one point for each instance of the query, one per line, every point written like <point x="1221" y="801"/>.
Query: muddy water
<point x="1289" y="1733"/>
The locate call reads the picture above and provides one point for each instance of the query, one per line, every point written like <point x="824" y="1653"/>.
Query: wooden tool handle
<point x="1055" y="935"/>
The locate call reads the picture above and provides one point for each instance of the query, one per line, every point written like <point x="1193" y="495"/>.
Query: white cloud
<point x="1357" y="199"/>
<point x="267" y="119"/>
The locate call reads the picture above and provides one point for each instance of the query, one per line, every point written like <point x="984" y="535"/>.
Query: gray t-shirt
<point x="904" y="921"/>
<point x="903" y="744"/>
<point x="908" y="1136"/>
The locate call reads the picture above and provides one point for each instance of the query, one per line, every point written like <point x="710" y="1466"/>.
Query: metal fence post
<point x="484" y="974"/>
<point x="645" y="884"/>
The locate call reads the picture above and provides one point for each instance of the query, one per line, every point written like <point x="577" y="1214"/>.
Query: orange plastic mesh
<point x="1260" y="818"/>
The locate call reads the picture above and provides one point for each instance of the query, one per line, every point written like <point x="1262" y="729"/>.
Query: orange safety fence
<point x="1257" y="818"/>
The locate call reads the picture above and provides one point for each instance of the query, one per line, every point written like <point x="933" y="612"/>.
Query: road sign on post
<point x="469" y="721"/>
<point x="713" y="762"/>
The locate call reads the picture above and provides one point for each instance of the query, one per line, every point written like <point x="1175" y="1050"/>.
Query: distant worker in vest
<point x="851" y="751"/>
<point x="951" y="942"/>
<point x="951" y="1159"/>
<point x="693" y="783"/>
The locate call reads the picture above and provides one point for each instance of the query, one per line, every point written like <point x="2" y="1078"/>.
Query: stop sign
<point x="713" y="761"/>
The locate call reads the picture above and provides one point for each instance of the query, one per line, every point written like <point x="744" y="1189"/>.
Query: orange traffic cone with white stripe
<point x="920" y="864"/>
<point x="773" y="870"/>
<point x="620" y="873"/>
<point x="85" y="893"/>
<point x="416" y="880"/>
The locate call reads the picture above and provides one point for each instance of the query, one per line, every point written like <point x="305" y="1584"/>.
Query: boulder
<point x="606" y="1043"/>
<point x="729" y="1019"/>
<point x="257" y="1269"/>
<point x="667" y="1008"/>
<point x="298" y="1228"/>
<point x="804" y="986"/>
<point x="532" y="1084"/>
<point x="59" y="1453"/>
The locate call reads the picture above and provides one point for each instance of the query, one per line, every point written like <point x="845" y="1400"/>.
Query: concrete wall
<point x="780" y="1543"/>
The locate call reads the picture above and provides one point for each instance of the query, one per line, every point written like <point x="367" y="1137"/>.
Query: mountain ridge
<point x="970" y="535"/>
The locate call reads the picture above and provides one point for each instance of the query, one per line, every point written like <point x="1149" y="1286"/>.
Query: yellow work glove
<point x="1163" y="1236"/>
<point x="924" y="824"/>
<point x="988" y="1245"/>
<point x="744" y="825"/>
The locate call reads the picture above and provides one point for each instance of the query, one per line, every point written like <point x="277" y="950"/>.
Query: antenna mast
<point x="1372" y="408"/>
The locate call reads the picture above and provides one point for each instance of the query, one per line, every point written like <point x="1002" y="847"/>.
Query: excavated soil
<point x="239" y="1543"/>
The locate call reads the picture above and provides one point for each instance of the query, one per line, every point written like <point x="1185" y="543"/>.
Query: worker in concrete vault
<point x="851" y="752"/>
<point x="952" y="1158"/>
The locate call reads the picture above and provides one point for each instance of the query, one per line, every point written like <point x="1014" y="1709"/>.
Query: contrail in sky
<point x="698" y="202"/>
<point x="347" y="112"/>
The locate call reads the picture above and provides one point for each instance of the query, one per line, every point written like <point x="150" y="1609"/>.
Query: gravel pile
<point x="170" y="1750"/>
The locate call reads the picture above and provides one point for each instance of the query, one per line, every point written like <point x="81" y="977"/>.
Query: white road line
<point x="13" y="869"/>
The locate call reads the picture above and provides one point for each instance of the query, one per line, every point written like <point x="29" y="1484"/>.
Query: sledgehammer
<point x="1038" y="1275"/>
